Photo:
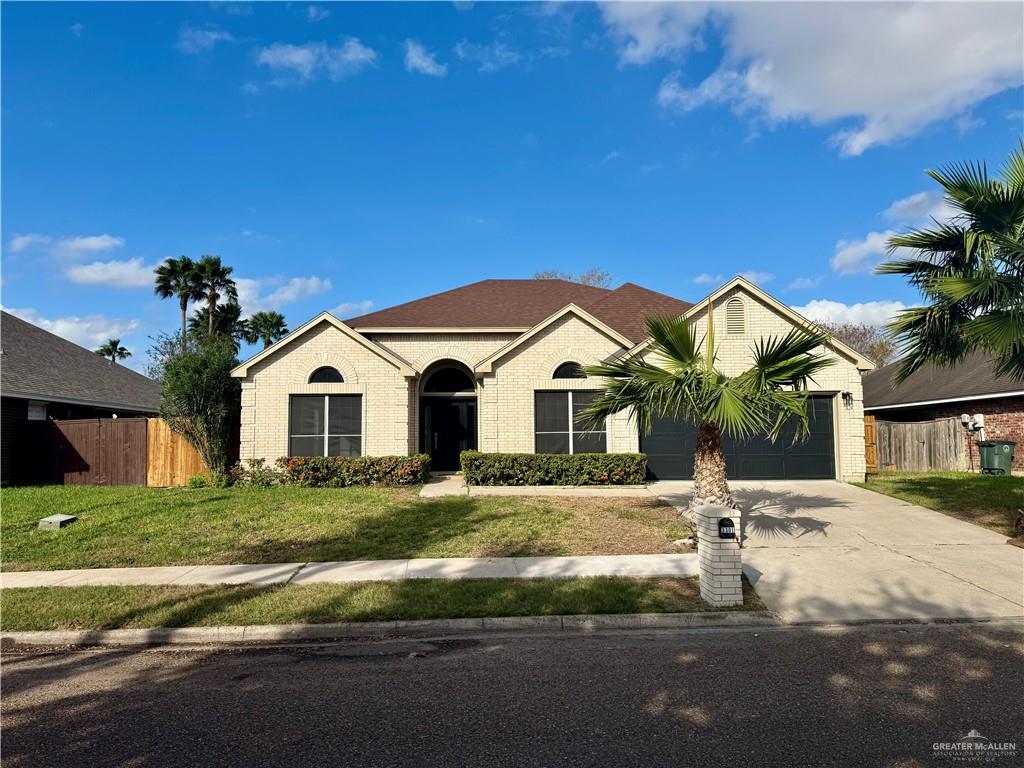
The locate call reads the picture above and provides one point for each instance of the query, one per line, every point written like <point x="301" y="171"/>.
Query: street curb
<point x="371" y="629"/>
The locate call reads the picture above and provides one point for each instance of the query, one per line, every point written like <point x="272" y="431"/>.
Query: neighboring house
<point x="495" y="366"/>
<point x="43" y="376"/>
<point x="932" y="392"/>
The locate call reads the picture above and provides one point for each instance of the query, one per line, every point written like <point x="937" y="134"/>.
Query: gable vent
<point x="734" y="316"/>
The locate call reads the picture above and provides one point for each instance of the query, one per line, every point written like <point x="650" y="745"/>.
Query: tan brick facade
<point x="505" y="393"/>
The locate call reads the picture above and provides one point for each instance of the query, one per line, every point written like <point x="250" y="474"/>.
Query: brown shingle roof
<point x="973" y="377"/>
<point x="40" y="365"/>
<point x="523" y="304"/>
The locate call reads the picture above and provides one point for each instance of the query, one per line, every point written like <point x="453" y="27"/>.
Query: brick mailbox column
<point x="719" y="558"/>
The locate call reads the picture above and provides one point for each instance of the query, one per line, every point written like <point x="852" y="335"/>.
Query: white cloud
<point x="853" y="256"/>
<point x="802" y="283"/>
<point x="869" y="312"/>
<point x="645" y="31"/>
<point x="316" y="13"/>
<point x="21" y="242"/>
<point x="120" y="274"/>
<point x="193" y="40"/>
<point x="613" y="155"/>
<point x="705" y="278"/>
<point x="77" y="28"/>
<point x="83" y="244"/>
<point x="257" y="295"/>
<point x="419" y="59"/>
<point x="352" y="309"/>
<point x="489" y="58"/>
<point x="89" y="330"/>
<point x="232" y="7"/>
<point x="886" y="70"/>
<point x="305" y="62"/>
<point x="757" y="278"/>
<point x="920" y="208"/>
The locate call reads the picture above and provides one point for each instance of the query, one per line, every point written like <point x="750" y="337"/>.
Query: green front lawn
<point x="178" y="526"/>
<point x="988" y="500"/>
<point x="117" y="607"/>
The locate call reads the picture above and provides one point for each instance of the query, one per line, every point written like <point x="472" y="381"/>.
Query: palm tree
<point x="970" y="270"/>
<point x="179" y="278"/>
<point x="267" y="327"/>
<point x="678" y="379"/>
<point x="227" y="322"/>
<point x="216" y="282"/>
<point x="113" y="350"/>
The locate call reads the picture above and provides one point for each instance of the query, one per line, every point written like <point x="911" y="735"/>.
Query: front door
<point x="447" y="428"/>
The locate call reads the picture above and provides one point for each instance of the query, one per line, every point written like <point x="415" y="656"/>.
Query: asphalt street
<point x="862" y="696"/>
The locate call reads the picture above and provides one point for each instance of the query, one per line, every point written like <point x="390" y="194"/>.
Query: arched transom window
<point x="569" y="370"/>
<point x="326" y="375"/>
<point x="449" y="381"/>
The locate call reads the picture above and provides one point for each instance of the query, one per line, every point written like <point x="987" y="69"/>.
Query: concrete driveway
<point x="819" y="550"/>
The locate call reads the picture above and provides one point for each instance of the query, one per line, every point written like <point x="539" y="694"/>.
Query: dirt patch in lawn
<point x="625" y="526"/>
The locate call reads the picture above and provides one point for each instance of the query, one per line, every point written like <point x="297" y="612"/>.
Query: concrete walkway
<point x="453" y="485"/>
<point x="365" y="570"/>
<point x="825" y="551"/>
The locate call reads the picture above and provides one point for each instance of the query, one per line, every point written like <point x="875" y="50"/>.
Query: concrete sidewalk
<point x="365" y="570"/>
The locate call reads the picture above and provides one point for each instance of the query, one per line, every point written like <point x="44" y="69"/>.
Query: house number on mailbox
<point x="726" y="529"/>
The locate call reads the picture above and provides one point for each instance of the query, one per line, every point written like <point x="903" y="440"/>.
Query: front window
<point x="554" y="412"/>
<point x="325" y="425"/>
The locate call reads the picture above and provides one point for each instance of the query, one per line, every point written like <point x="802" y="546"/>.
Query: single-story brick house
<point x="495" y="366"/>
<point x="43" y="376"/>
<point x="933" y="392"/>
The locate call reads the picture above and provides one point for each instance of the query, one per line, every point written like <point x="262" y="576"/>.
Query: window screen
<point x="553" y="412"/>
<point x="325" y="425"/>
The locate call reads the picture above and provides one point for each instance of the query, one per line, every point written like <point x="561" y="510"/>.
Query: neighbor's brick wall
<point x="506" y="395"/>
<point x="761" y="321"/>
<point x="266" y="390"/>
<point x="1004" y="420"/>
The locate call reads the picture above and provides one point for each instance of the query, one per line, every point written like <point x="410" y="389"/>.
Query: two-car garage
<point x="670" y="447"/>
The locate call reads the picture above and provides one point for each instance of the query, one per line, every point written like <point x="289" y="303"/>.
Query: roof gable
<point x="862" y="362"/>
<point x="241" y="371"/>
<point x="487" y="364"/>
<point x="41" y="365"/>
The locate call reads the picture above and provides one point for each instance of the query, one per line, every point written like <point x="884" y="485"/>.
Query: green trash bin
<point x="996" y="456"/>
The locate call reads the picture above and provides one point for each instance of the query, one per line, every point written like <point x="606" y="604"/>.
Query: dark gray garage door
<point x="671" y="445"/>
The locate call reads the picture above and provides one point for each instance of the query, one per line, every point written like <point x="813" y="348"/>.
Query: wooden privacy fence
<point x="915" y="446"/>
<point x="170" y="458"/>
<point x="870" y="444"/>
<point x="127" y="451"/>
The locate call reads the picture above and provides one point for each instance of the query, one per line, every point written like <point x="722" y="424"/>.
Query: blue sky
<point x="349" y="156"/>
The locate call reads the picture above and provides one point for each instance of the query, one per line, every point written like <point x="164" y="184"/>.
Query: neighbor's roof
<point x="971" y="379"/>
<point x="521" y="304"/>
<point x="36" y="364"/>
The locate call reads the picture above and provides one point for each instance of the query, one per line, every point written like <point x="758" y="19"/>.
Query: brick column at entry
<point x="719" y="558"/>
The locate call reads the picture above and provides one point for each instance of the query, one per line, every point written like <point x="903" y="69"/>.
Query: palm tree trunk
<point x="710" y="483"/>
<point x="213" y="308"/>
<point x="183" y="303"/>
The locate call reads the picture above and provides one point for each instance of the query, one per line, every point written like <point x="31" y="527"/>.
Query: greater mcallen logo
<point x="975" y="748"/>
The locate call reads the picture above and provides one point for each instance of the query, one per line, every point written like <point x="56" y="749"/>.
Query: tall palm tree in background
<point x="678" y="379"/>
<point x="267" y="327"/>
<point x="970" y="270"/>
<point x="179" y="278"/>
<point x="216" y="282"/>
<point x="113" y="350"/>
<point x="227" y="322"/>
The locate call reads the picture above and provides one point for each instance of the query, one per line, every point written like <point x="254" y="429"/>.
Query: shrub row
<point x="553" y="468"/>
<point x="341" y="471"/>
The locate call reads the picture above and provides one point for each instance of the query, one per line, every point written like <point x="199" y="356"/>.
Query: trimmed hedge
<point x="553" y="468"/>
<point x="341" y="471"/>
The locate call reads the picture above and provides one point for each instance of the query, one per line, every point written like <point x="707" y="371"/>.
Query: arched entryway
<point x="447" y="413"/>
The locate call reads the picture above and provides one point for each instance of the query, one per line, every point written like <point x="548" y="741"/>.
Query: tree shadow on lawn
<point x="442" y="527"/>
